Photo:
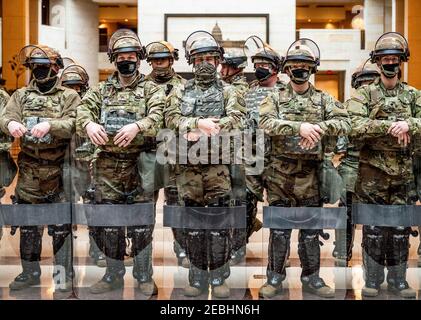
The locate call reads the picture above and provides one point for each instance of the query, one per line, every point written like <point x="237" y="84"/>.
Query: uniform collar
<point x="389" y="92"/>
<point x="34" y="87"/>
<point x="115" y="81"/>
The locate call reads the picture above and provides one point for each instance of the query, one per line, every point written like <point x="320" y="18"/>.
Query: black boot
<point x="279" y="245"/>
<point x="63" y="263"/>
<point x="398" y="263"/>
<point x="142" y="268"/>
<point x="30" y="253"/>
<point x="219" y="255"/>
<point x="115" y="249"/>
<point x="196" y="247"/>
<point x="238" y="246"/>
<point x="180" y="247"/>
<point x="309" y="253"/>
<point x="373" y="246"/>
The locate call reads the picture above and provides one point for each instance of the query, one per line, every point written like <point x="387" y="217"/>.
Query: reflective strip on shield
<point x="386" y="215"/>
<point x="35" y="214"/>
<point x="110" y="215"/>
<point x="205" y="217"/>
<point x="304" y="218"/>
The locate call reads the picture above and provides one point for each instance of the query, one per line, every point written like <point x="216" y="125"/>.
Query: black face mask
<point x="43" y="73"/>
<point x="390" y="70"/>
<point x="262" y="74"/>
<point x="127" y="68"/>
<point x="300" y="76"/>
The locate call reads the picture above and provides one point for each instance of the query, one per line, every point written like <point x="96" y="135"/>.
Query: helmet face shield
<point x="303" y="51"/>
<point x="390" y="43"/>
<point x="41" y="55"/>
<point x="125" y="40"/>
<point x="234" y="58"/>
<point x="74" y="74"/>
<point x="201" y="43"/>
<point x="260" y="52"/>
<point x="161" y="50"/>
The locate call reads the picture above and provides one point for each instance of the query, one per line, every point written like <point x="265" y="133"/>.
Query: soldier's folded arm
<point x="337" y="121"/>
<point x="415" y="122"/>
<point x="11" y="112"/>
<point x="155" y="104"/>
<point x="362" y="125"/>
<point x="235" y="110"/>
<point x="64" y="127"/>
<point x="270" y="122"/>
<point x="88" y="110"/>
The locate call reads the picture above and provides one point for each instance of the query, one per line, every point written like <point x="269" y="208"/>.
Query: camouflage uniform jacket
<point x="143" y="101"/>
<point x="57" y="106"/>
<point x="373" y="109"/>
<point x="283" y="112"/>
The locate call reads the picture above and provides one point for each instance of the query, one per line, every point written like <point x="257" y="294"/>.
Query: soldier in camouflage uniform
<point x="348" y="170"/>
<point x="75" y="77"/>
<point x="43" y="116"/>
<point x="267" y="64"/>
<point x="297" y="117"/>
<point x="232" y="69"/>
<point x="205" y="104"/>
<point x="385" y="114"/>
<point x="117" y="115"/>
<point x="161" y="56"/>
<point x="8" y="167"/>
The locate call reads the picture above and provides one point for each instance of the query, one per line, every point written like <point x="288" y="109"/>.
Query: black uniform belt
<point x="121" y="156"/>
<point x="44" y="162"/>
<point x="295" y="161"/>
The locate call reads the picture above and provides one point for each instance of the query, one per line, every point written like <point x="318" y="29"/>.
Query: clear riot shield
<point x="115" y="220"/>
<point x="36" y="221"/>
<point x="208" y="221"/>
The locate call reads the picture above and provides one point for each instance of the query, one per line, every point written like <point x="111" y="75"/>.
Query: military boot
<point x="142" y="271"/>
<point x="269" y="290"/>
<point x="109" y="282"/>
<point x="217" y="281"/>
<point x="63" y="267"/>
<point x="309" y="253"/>
<point x="198" y="282"/>
<point x="29" y="277"/>
<point x="396" y="278"/>
<point x="373" y="260"/>
<point x="30" y="252"/>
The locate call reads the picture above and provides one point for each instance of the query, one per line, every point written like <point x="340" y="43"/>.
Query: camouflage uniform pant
<point x="293" y="183"/>
<point x="117" y="181"/>
<point x="206" y="185"/>
<point x="385" y="246"/>
<point x="41" y="181"/>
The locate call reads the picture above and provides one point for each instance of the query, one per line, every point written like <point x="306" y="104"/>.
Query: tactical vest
<point x="120" y="108"/>
<point x="253" y="99"/>
<point x="303" y="109"/>
<point x="393" y="108"/>
<point x="207" y="103"/>
<point x="37" y="108"/>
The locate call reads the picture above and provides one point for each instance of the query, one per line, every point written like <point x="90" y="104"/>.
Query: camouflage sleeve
<point x="64" y="127"/>
<point x="11" y="112"/>
<point x="155" y="103"/>
<point x="415" y="121"/>
<point x="361" y="122"/>
<point x="5" y="141"/>
<point x="270" y="122"/>
<point x="172" y="113"/>
<point x="336" y="121"/>
<point x="88" y="110"/>
<point x="235" y="109"/>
